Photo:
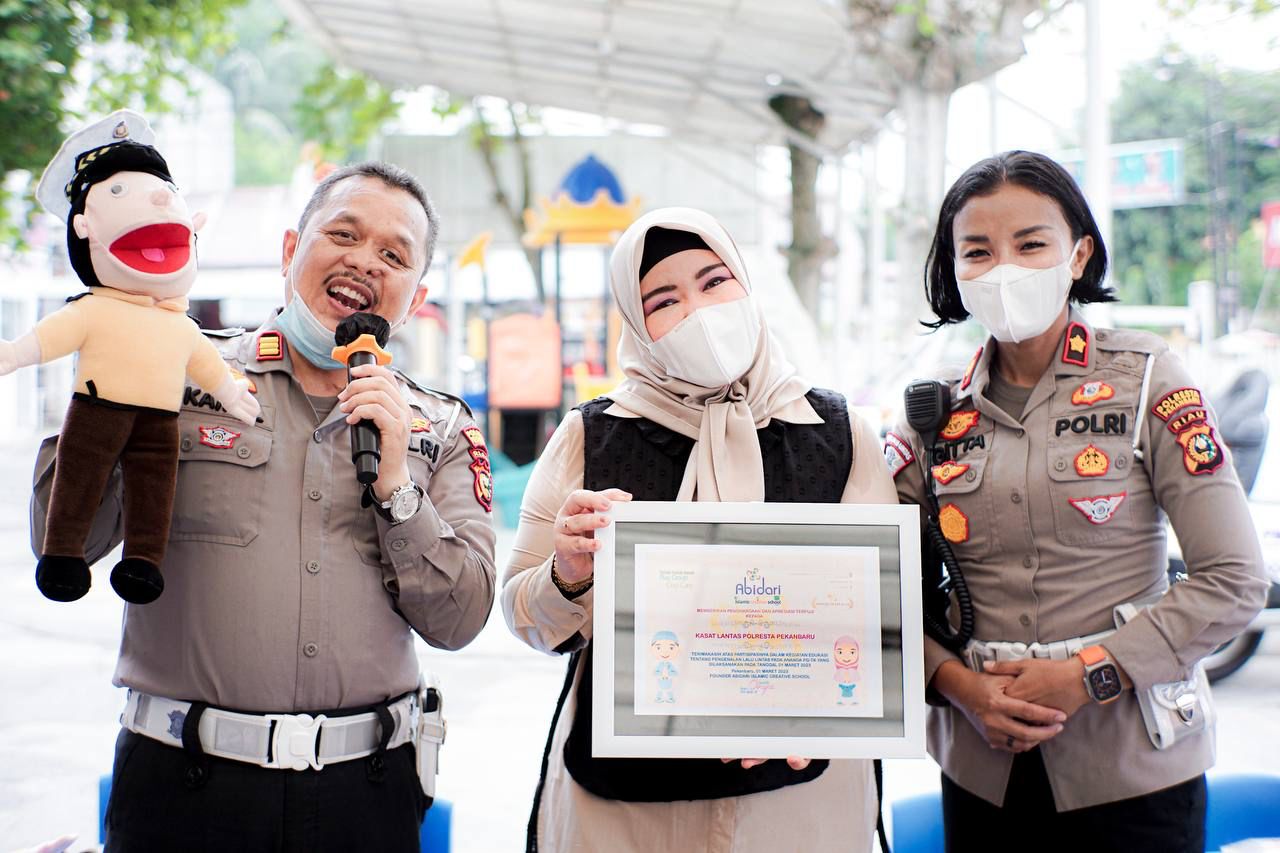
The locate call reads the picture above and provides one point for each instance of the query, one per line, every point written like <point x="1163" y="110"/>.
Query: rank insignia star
<point x="948" y="471"/>
<point x="1092" y="462"/>
<point x="1099" y="510"/>
<point x="960" y="424"/>
<point x="1092" y="392"/>
<point x="954" y="524"/>
<point x="1201" y="453"/>
<point x="219" y="437"/>
<point x="1075" y="350"/>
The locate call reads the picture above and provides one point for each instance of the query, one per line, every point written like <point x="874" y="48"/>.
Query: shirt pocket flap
<point x="958" y="476"/>
<point x="1083" y="459"/>
<point x="219" y="438"/>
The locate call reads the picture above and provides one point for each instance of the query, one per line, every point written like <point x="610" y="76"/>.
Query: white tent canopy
<point x="699" y="67"/>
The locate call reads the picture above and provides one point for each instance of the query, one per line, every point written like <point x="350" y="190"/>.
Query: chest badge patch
<point x="1092" y="462"/>
<point x="419" y="425"/>
<point x="218" y="436"/>
<point x="269" y="347"/>
<point x="1099" y="510"/>
<point x="1075" y="349"/>
<point x="954" y="524"/>
<point x="960" y="424"/>
<point x="1201" y="453"/>
<point x="482" y="473"/>
<point x="948" y="471"/>
<point x="897" y="454"/>
<point x="1092" y="392"/>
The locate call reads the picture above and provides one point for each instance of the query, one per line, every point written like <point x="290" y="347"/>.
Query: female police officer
<point x="710" y="410"/>
<point x="1063" y="445"/>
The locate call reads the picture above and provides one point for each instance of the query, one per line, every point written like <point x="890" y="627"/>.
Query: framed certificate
<point x="760" y="630"/>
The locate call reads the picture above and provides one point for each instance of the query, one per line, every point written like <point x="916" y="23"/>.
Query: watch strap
<point x="1092" y="655"/>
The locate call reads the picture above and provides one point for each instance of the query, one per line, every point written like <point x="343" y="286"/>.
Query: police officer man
<point x="273" y="688"/>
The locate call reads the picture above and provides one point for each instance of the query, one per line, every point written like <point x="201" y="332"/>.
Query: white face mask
<point x="713" y="346"/>
<point x="1015" y="303"/>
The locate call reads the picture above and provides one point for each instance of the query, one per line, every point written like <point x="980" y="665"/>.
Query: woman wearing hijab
<point x="709" y="410"/>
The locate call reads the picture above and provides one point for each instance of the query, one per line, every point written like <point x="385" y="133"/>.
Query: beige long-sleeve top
<point x="836" y="811"/>
<point x="282" y="593"/>
<point x="1054" y="521"/>
<point x="134" y="351"/>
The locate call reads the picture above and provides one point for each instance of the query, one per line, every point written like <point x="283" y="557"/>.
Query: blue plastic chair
<point x="434" y="837"/>
<point x="1241" y="805"/>
<point x="917" y="824"/>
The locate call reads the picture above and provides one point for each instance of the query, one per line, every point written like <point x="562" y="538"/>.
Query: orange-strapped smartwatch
<point x="1101" y="677"/>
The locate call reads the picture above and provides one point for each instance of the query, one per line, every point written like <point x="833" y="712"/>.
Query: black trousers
<point x="164" y="799"/>
<point x="1166" y="821"/>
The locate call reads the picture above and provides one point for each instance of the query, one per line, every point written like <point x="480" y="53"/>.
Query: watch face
<point x="405" y="504"/>
<point x="1104" y="683"/>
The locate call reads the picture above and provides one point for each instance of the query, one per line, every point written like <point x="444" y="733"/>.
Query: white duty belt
<point x="978" y="652"/>
<point x="274" y="741"/>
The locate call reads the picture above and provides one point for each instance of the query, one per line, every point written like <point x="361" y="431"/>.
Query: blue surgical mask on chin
<point x="307" y="335"/>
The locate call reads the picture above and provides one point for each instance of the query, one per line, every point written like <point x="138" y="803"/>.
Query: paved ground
<point x="59" y="711"/>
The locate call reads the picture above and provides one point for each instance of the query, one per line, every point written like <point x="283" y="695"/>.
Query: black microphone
<point x="360" y="340"/>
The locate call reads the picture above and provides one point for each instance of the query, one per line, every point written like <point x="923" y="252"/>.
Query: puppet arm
<point x="208" y="369"/>
<point x="23" y="352"/>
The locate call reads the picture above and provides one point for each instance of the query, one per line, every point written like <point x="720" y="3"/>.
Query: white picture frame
<point x="623" y="725"/>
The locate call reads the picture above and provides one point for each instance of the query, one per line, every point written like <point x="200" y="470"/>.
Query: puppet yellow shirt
<point x="134" y="351"/>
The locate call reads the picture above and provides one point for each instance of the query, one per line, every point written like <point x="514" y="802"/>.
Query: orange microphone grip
<point x="364" y="343"/>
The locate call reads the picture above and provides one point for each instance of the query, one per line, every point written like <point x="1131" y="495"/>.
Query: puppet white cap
<point x="52" y="191"/>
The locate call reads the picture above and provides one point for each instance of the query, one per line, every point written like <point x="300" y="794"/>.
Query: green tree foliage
<point x="43" y="41"/>
<point x="1158" y="251"/>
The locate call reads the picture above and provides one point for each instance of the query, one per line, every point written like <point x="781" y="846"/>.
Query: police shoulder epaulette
<point x="431" y="392"/>
<point x="230" y="332"/>
<point x="1129" y="340"/>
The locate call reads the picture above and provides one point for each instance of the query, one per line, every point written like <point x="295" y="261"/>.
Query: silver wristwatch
<point x="403" y="504"/>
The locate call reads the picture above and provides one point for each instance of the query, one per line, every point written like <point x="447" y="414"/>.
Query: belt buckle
<point x="294" y="739"/>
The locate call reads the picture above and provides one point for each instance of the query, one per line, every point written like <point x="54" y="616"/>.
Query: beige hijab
<point x="725" y="463"/>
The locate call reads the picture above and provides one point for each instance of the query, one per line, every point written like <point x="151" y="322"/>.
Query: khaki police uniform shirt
<point x="282" y="593"/>
<point x="1054" y="521"/>
<point x="570" y="818"/>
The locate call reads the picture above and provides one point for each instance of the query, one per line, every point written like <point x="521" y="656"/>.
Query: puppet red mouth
<point x="155" y="249"/>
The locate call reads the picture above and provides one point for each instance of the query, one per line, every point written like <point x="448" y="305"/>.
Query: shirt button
<point x="1060" y="465"/>
<point x="398" y="545"/>
<point x="1024" y="620"/>
<point x="970" y="476"/>
<point x="243" y="451"/>
<point x="1028" y="562"/>
<point x="316" y="436"/>
<point x="313" y="567"/>
<point x="1016" y="498"/>
<point x="314" y="494"/>
<point x="311" y="649"/>
<point x="186" y="444"/>
<point x="1121" y="461"/>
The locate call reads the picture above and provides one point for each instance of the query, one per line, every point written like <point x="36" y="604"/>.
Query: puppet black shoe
<point x="137" y="581"/>
<point x="62" y="578"/>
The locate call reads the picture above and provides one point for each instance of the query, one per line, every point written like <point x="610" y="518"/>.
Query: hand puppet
<point x="131" y="241"/>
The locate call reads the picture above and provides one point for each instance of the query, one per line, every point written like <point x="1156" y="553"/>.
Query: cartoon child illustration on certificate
<point x="665" y="648"/>
<point x="845" y="657"/>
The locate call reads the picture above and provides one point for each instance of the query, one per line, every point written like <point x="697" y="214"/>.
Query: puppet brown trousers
<point x="95" y="435"/>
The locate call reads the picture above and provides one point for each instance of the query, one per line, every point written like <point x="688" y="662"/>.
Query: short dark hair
<point x="1029" y="170"/>
<point x="392" y="176"/>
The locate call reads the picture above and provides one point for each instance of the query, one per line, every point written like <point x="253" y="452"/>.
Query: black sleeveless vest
<point x="802" y="463"/>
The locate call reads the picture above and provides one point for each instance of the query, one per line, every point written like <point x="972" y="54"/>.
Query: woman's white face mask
<point x="713" y="346"/>
<point x="1016" y="303"/>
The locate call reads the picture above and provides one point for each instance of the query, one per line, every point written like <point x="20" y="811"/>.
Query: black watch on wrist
<point x="403" y="504"/>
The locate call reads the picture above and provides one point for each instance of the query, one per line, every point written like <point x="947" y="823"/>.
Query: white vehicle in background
<point x="1245" y="413"/>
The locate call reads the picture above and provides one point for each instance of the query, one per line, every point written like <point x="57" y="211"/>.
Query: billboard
<point x="1151" y="173"/>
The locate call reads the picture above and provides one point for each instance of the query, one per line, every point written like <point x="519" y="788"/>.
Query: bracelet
<point x="569" y="590"/>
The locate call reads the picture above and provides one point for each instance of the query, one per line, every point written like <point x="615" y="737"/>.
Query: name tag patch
<point x="1108" y="424"/>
